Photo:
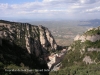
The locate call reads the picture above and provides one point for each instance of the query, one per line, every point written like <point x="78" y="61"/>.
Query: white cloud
<point x="88" y="1"/>
<point x="95" y="9"/>
<point x="4" y="6"/>
<point x="53" y="8"/>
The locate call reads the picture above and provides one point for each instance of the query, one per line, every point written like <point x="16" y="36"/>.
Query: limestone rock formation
<point x="25" y="44"/>
<point x="83" y="38"/>
<point x="87" y="46"/>
<point x="91" y="35"/>
<point x="77" y="37"/>
<point x="34" y="38"/>
<point x="46" y="38"/>
<point x="88" y="60"/>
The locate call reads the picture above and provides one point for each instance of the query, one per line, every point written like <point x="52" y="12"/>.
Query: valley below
<point x="64" y="31"/>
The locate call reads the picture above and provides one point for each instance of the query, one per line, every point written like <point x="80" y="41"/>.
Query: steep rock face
<point x="34" y="38"/>
<point x="46" y="38"/>
<point x="25" y="44"/>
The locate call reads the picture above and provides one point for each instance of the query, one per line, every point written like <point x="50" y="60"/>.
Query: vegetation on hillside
<point x="78" y="70"/>
<point x="73" y="63"/>
<point x="93" y="31"/>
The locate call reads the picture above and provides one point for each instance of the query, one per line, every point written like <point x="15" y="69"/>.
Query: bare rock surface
<point x="90" y="36"/>
<point x="88" y="60"/>
<point x="36" y="39"/>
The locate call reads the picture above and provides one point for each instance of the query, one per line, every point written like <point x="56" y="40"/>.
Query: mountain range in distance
<point x="93" y="23"/>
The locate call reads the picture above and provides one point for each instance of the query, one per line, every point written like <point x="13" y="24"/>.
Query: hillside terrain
<point x="83" y="56"/>
<point x="24" y="47"/>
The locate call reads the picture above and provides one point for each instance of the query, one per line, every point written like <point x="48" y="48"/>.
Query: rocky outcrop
<point x="87" y="45"/>
<point x="25" y="44"/>
<point x="46" y="38"/>
<point x="83" y="38"/>
<point x="88" y="60"/>
<point x="34" y="38"/>
<point x="93" y="35"/>
<point x="77" y="37"/>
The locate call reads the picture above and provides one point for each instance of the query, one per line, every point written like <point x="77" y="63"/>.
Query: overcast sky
<point x="50" y="9"/>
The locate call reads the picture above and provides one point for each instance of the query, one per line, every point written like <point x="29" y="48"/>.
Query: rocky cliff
<point x="26" y="35"/>
<point x="36" y="40"/>
<point x="87" y="44"/>
<point x="93" y="35"/>
<point x="83" y="55"/>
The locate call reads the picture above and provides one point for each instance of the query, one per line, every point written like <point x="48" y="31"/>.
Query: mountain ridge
<point x="34" y="42"/>
<point x="83" y="55"/>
